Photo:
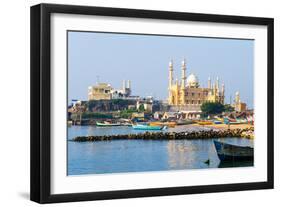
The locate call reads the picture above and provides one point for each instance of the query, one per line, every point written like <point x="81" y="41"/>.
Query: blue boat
<point x="230" y="152"/>
<point x="147" y="127"/>
<point x="230" y="121"/>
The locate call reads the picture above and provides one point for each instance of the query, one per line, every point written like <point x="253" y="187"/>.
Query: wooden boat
<point x="220" y="119"/>
<point x="242" y="121"/>
<point x="156" y="123"/>
<point x="217" y="122"/>
<point x="205" y="122"/>
<point x="126" y="124"/>
<point x="231" y="121"/>
<point x="169" y="124"/>
<point x="229" y="152"/>
<point x="107" y="124"/>
<point x="147" y="127"/>
<point x="185" y="122"/>
<point x="234" y="122"/>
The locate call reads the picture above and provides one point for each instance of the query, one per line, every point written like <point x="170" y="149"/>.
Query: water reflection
<point x="191" y="154"/>
<point x="141" y="155"/>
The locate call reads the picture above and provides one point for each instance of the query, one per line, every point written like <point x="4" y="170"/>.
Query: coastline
<point x="226" y="126"/>
<point x="246" y="132"/>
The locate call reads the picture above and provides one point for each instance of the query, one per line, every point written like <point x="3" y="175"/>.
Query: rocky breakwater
<point x="170" y="135"/>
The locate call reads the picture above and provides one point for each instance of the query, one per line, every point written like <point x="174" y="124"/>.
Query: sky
<point x="144" y="59"/>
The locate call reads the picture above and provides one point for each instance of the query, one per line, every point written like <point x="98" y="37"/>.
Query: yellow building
<point x="238" y="105"/>
<point x="104" y="91"/>
<point x="187" y="94"/>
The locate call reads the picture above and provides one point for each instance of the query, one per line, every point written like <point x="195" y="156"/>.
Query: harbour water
<point x="143" y="155"/>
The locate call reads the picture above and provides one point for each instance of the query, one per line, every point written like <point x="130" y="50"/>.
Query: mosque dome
<point x="192" y="81"/>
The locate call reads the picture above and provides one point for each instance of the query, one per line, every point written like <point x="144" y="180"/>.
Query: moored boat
<point x="234" y="122"/>
<point x="171" y="124"/>
<point x="242" y="121"/>
<point x="231" y="121"/>
<point x="107" y="124"/>
<point x="205" y="122"/>
<point x="217" y="122"/>
<point x="168" y="124"/>
<point x="220" y="119"/>
<point x="147" y="127"/>
<point x="184" y="122"/>
<point x="230" y="152"/>
<point x="126" y="124"/>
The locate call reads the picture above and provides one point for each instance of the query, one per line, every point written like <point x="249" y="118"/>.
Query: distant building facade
<point x="158" y="115"/>
<point x="187" y="95"/>
<point x="104" y="91"/>
<point x="147" y="104"/>
<point x="169" y="115"/>
<point x="238" y="105"/>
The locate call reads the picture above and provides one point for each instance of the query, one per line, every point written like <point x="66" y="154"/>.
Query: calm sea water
<point x="142" y="155"/>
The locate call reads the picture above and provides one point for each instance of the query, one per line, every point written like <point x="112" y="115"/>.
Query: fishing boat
<point x="231" y="121"/>
<point x="220" y="119"/>
<point x="171" y="124"/>
<point x="242" y="121"/>
<point x="205" y="122"/>
<point x="234" y="122"/>
<point x="147" y="127"/>
<point x="156" y="123"/>
<point x="126" y="124"/>
<point x="230" y="152"/>
<point x="217" y="122"/>
<point x="168" y="124"/>
<point x="184" y="122"/>
<point x="107" y="124"/>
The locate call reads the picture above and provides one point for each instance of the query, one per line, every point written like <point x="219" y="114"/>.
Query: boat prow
<point x="230" y="152"/>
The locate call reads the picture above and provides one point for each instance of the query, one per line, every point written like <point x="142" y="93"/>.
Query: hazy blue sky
<point x="144" y="59"/>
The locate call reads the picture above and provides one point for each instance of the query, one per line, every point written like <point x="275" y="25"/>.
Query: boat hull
<point x="147" y="127"/>
<point x="184" y="122"/>
<point x="168" y="124"/>
<point x="205" y="123"/>
<point x="106" y="125"/>
<point x="229" y="152"/>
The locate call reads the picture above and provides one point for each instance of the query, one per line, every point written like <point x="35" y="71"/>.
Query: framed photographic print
<point x="133" y="103"/>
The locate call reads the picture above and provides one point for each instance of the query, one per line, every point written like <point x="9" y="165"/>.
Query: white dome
<point x="192" y="81"/>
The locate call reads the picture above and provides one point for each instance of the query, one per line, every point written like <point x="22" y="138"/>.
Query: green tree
<point x="141" y="108"/>
<point x="228" y="108"/>
<point x="212" y="108"/>
<point x="127" y="113"/>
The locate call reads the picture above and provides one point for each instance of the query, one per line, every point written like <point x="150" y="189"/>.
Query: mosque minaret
<point x="187" y="93"/>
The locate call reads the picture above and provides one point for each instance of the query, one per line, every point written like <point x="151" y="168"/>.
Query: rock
<point x="249" y="133"/>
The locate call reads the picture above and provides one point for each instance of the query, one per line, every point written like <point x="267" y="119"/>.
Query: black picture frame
<point x="41" y="98"/>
